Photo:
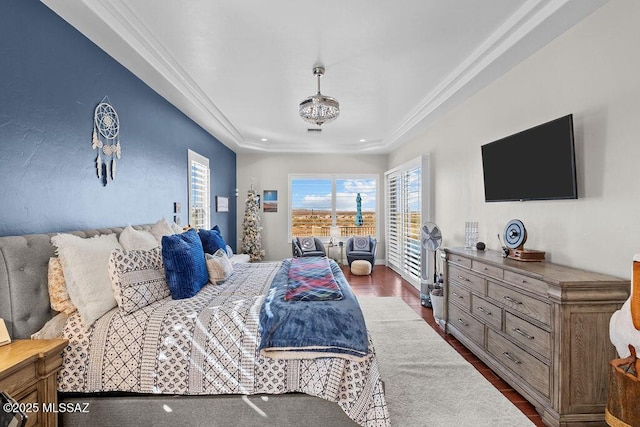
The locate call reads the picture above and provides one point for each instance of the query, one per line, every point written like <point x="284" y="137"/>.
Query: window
<point x="407" y="204"/>
<point x="319" y="202"/>
<point x="199" y="191"/>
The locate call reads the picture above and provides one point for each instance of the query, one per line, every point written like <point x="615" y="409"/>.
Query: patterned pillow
<point x="307" y="244"/>
<point x="229" y="251"/>
<point x="361" y="243"/>
<point x="184" y="264"/>
<point x="219" y="266"/>
<point x="58" y="294"/>
<point x="137" y="278"/>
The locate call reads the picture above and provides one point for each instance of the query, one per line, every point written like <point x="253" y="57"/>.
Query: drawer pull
<point x="510" y="357"/>
<point x="456" y="295"/>
<point x="462" y="278"/>
<point x="488" y="313"/>
<point x="523" y="333"/>
<point x="462" y="322"/>
<point x="508" y="298"/>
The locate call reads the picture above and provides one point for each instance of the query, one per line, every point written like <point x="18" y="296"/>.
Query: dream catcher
<point x="106" y="128"/>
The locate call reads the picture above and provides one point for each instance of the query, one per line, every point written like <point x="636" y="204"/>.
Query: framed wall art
<point x="222" y="204"/>
<point x="270" y="201"/>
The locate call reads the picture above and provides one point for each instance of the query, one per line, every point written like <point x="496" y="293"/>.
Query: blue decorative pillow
<point x="212" y="240"/>
<point x="184" y="264"/>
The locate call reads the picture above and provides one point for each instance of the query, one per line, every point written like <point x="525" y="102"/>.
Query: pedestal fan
<point x="430" y="241"/>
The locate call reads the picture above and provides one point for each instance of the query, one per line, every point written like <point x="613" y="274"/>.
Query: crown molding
<point x="507" y="36"/>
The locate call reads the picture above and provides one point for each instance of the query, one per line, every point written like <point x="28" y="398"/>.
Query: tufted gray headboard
<point x="24" y="295"/>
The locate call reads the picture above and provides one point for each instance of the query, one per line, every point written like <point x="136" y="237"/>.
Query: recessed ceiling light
<point x="263" y="139"/>
<point x="363" y="140"/>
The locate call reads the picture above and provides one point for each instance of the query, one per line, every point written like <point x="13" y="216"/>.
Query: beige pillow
<point x="161" y="228"/>
<point x="85" y="263"/>
<point x="58" y="295"/>
<point x="219" y="266"/>
<point x="132" y="239"/>
<point x="52" y="329"/>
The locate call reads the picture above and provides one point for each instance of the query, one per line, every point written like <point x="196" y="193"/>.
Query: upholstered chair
<point x="307" y="246"/>
<point x="357" y="248"/>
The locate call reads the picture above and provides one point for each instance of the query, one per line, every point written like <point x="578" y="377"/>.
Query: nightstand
<point x="28" y="374"/>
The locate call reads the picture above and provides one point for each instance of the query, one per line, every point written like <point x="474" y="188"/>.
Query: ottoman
<point x="360" y="267"/>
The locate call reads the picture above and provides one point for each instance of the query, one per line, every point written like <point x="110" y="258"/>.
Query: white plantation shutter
<point x="199" y="191"/>
<point x="412" y="219"/>
<point x="393" y="217"/>
<point x="405" y="202"/>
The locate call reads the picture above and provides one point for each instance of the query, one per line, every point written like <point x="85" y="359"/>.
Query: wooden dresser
<point x="542" y="327"/>
<point x="28" y="374"/>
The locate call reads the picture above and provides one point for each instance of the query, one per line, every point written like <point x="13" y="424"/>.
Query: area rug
<point x="427" y="383"/>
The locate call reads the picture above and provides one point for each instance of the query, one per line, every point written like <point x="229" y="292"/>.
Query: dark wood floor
<point x="384" y="282"/>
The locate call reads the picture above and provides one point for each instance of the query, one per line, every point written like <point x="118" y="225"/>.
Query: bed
<point x="264" y="391"/>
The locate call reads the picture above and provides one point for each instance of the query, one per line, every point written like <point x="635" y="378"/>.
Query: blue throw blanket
<point x="309" y="329"/>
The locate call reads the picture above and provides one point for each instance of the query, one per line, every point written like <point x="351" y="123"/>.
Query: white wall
<point x="271" y="171"/>
<point x="592" y="71"/>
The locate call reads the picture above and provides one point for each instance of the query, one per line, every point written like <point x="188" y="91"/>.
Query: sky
<point x="316" y="194"/>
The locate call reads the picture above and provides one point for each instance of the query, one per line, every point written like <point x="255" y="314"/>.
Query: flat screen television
<point x="535" y="164"/>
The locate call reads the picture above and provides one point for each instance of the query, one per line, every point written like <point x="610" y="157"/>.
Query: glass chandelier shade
<point x="319" y="109"/>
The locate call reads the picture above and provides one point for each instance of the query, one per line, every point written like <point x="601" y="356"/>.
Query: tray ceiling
<point x="240" y="68"/>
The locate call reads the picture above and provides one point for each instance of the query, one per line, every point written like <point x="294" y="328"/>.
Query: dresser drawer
<point x="489" y="270"/>
<point x="466" y="324"/>
<point x="490" y="313"/>
<point x="529" y="283"/>
<point x="459" y="295"/>
<point x="465" y="278"/>
<point x="19" y="379"/>
<point x="533" y="371"/>
<point x="457" y="259"/>
<point x="528" y="335"/>
<point x="524" y="304"/>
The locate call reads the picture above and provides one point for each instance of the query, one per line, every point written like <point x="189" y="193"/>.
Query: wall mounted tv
<point x="535" y="164"/>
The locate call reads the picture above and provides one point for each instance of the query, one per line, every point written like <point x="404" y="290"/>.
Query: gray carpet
<point x="427" y="383"/>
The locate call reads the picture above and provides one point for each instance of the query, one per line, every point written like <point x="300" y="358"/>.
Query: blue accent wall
<point x="51" y="79"/>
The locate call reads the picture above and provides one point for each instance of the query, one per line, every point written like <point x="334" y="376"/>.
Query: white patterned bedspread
<point x="208" y="345"/>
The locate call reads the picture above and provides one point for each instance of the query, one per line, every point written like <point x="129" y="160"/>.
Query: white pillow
<point x="176" y="228"/>
<point x="85" y="263"/>
<point x="161" y="228"/>
<point x="132" y="239"/>
<point x="219" y="266"/>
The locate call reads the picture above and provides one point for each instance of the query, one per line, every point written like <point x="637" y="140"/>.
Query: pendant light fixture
<point x="319" y="109"/>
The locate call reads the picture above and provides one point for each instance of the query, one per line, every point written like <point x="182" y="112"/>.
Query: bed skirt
<point x="286" y="410"/>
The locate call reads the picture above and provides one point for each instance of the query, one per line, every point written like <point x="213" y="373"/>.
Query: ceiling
<point x="240" y="68"/>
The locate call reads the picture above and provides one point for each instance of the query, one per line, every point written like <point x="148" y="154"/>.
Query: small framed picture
<point x="270" y="202"/>
<point x="222" y="204"/>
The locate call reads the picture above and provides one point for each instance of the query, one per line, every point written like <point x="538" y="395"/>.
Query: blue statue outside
<point x="359" y="220"/>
